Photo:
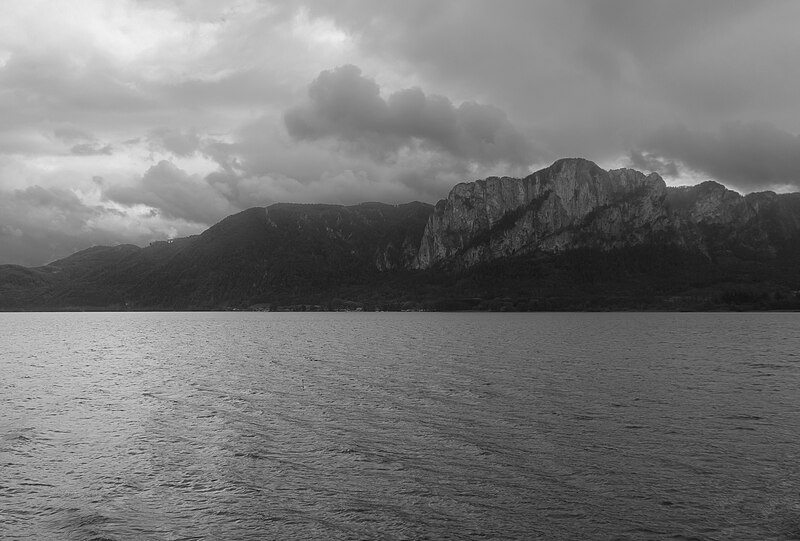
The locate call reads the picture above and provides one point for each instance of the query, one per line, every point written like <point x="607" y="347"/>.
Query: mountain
<point x="283" y="252"/>
<point x="570" y="236"/>
<point x="574" y="204"/>
<point x="258" y="255"/>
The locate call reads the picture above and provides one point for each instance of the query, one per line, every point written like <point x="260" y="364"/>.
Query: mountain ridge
<point x="575" y="204"/>
<point x="569" y="236"/>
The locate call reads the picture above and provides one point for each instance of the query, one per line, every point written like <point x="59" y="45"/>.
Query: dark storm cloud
<point x="749" y="156"/>
<point x="225" y="82"/>
<point x="345" y="105"/>
<point x="174" y="193"/>
<point x="592" y="77"/>
<point x="260" y="165"/>
<point x="38" y="225"/>
<point x="541" y="43"/>
<point x="63" y="202"/>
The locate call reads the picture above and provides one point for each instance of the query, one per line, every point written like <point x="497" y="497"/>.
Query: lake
<point x="171" y="426"/>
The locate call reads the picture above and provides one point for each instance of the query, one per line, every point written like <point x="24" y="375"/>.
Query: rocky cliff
<point x="575" y="204"/>
<point x="569" y="237"/>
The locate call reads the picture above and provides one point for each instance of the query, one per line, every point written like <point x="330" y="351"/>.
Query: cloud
<point x="91" y="149"/>
<point x="117" y="71"/>
<point x="174" y="193"/>
<point x="71" y="134"/>
<point x="346" y="106"/>
<point x="588" y="77"/>
<point x="261" y="165"/>
<point x="65" y="203"/>
<point x="41" y="224"/>
<point x="650" y="162"/>
<point x="749" y="156"/>
<point x="341" y="187"/>
<point x="450" y="91"/>
<point x="179" y="142"/>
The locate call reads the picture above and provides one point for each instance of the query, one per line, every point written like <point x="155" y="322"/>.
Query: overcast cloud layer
<point x="139" y="120"/>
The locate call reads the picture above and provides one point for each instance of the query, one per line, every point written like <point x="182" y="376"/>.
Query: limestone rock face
<point x="569" y="204"/>
<point x="576" y="204"/>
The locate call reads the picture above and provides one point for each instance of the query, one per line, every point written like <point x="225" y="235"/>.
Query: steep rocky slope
<point x="571" y="236"/>
<point x="574" y="204"/>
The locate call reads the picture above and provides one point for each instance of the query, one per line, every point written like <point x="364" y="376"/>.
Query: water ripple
<point x="399" y="426"/>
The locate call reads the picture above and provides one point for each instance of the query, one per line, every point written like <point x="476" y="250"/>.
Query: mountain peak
<point x="574" y="203"/>
<point x="278" y="254"/>
<point x="575" y="164"/>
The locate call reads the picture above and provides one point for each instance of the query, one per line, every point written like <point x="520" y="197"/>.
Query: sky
<point x="139" y="120"/>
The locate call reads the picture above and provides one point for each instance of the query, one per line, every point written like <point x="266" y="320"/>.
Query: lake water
<point x="172" y="426"/>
